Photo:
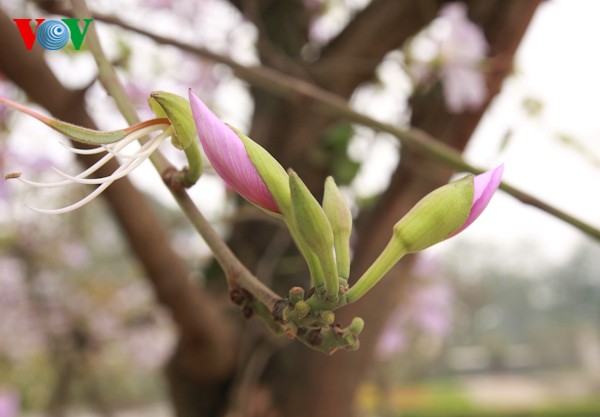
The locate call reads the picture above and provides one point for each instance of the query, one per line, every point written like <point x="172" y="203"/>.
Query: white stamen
<point x="100" y="163"/>
<point x="133" y="161"/>
<point x="82" y="151"/>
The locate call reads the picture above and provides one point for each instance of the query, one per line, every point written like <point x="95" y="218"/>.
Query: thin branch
<point x="295" y="89"/>
<point x="236" y="272"/>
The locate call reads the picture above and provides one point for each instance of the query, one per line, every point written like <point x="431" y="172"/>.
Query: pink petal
<point x="228" y="156"/>
<point x="485" y="185"/>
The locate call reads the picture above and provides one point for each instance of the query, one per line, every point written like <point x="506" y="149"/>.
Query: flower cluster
<point x="321" y="231"/>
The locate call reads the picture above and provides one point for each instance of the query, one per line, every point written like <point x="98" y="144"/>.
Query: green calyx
<point x="82" y="134"/>
<point x="179" y="113"/>
<point x="270" y="171"/>
<point x="437" y="216"/>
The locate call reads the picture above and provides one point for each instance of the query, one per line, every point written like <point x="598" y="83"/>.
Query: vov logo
<point x="52" y="34"/>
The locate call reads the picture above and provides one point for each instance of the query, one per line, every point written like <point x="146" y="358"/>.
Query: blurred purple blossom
<point x="431" y="308"/>
<point x="9" y="404"/>
<point x="428" y="310"/>
<point x="138" y="93"/>
<point x="198" y="75"/>
<point x="19" y="328"/>
<point x="393" y="338"/>
<point x="454" y="48"/>
<point x="462" y="51"/>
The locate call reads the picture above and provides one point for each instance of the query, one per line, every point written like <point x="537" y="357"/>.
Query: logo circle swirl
<point x="53" y="35"/>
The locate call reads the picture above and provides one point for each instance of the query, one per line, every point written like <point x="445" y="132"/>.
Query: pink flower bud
<point x="229" y="157"/>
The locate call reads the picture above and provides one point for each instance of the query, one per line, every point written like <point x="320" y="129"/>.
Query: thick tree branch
<point x="195" y="312"/>
<point x="352" y="57"/>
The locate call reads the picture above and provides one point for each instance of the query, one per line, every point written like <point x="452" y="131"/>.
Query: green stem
<point x="107" y="74"/>
<point x="392" y="253"/>
<point x="237" y="274"/>
<point x="194" y="169"/>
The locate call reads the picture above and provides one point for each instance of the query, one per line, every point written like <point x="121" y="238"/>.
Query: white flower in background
<point x="453" y="48"/>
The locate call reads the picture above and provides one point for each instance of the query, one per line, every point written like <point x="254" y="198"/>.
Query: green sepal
<point x="437" y="216"/>
<point x="82" y="134"/>
<point x="315" y="231"/>
<point x="177" y="109"/>
<point x="340" y="218"/>
<point x="271" y="172"/>
<point x="179" y="113"/>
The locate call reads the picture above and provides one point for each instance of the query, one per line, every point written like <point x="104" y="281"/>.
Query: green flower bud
<point x="296" y="294"/>
<point x="441" y="214"/>
<point x="327" y="316"/>
<point x="356" y="326"/>
<point x="315" y="231"/>
<point x="340" y="218"/>
<point x="302" y="309"/>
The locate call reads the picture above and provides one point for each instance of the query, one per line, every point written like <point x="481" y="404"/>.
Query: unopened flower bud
<point x="441" y="214"/>
<point x="340" y="218"/>
<point x="314" y="229"/>
<point x="327" y="316"/>
<point x="356" y="326"/>
<point x="302" y="309"/>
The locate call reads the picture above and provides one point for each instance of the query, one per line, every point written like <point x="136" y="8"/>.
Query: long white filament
<point x="132" y="161"/>
<point x="100" y="163"/>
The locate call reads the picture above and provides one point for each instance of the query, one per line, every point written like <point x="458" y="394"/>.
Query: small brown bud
<point x="314" y="337"/>
<point x="237" y="296"/>
<point x="248" y="311"/>
<point x="278" y="309"/>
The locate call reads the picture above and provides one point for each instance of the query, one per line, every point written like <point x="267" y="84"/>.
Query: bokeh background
<point x="502" y="320"/>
